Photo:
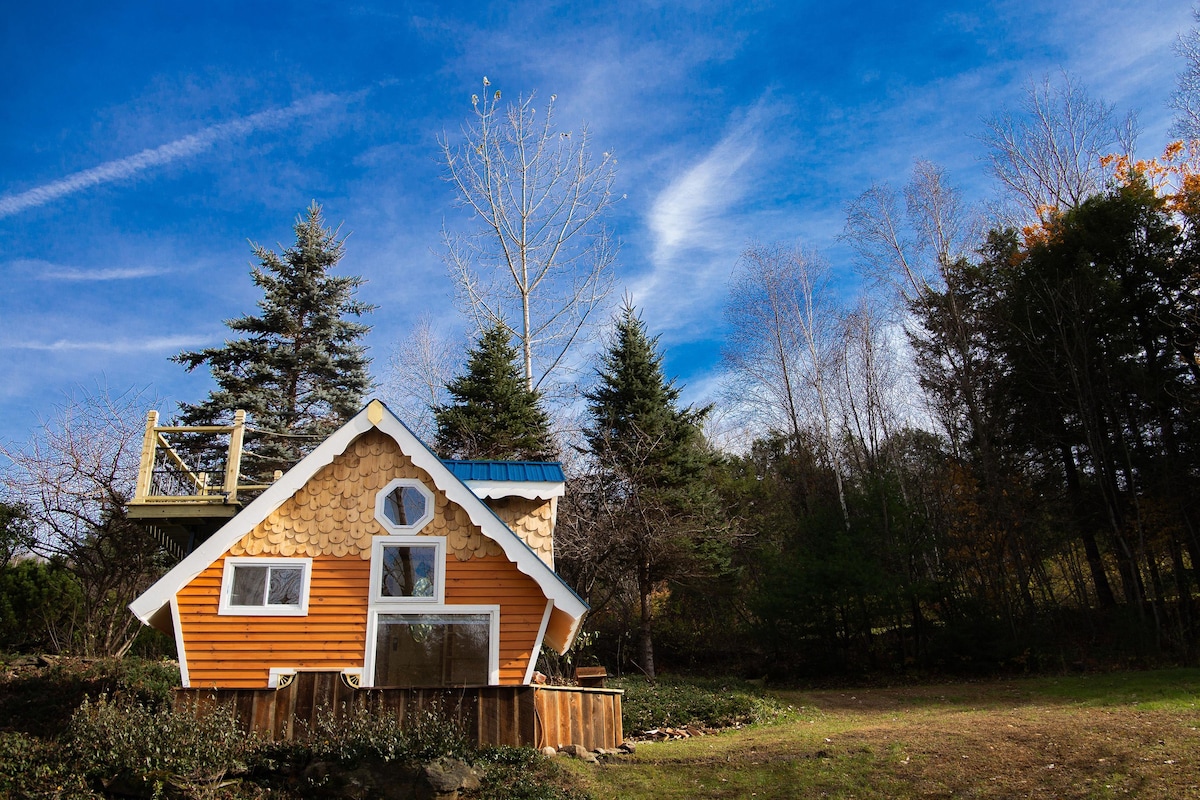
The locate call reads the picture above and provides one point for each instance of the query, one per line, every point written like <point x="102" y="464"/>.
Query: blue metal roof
<point x="516" y="471"/>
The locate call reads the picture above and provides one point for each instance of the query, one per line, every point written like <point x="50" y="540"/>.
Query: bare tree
<point x="919" y="249"/>
<point x="1047" y="154"/>
<point x="539" y="259"/>
<point x="1186" y="100"/>
<point x="419" y="367"/>
<point x="911" y="248"/>
<point x="782" y="350"/>
<point x="75" y="476"/>
<point x="870" y="378"/>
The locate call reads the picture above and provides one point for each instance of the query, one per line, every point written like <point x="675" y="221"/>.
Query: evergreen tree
<point x="299" y="369"/>
<point x="650" y="457"/>
<point x="492" y="413"/>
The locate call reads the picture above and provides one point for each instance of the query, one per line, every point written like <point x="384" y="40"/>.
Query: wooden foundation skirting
<point x="537" y="716"/>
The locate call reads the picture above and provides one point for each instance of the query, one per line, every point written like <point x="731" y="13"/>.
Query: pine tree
<point x="299" y="369"/>
<point x="650" y="457"/>
<point x="492" y="413"/>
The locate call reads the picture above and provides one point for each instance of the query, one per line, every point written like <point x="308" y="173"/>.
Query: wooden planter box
<point x="535" y="716"/>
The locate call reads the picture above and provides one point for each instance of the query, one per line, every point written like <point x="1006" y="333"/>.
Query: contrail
<point x="164" y="154"/>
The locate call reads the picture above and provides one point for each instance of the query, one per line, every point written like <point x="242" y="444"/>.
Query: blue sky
<point x="143" y="144"/>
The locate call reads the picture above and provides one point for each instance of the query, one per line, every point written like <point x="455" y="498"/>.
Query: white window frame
<point x="443" y="610"/>
<point x="378" y="543"/>
<point x="225" y="608"/>
<point x="381" y="498"/>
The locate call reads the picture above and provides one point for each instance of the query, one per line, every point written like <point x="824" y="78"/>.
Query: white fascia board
<point x="530" y="490"/>
<point x="515" y="549"/>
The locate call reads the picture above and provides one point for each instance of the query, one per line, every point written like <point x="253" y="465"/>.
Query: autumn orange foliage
<point x="1174" y="176"/>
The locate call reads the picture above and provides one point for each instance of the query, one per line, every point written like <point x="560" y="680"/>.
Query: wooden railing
<point x="165" y="477"/>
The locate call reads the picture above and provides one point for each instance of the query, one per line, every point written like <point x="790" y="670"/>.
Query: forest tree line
<point x="986" y="460"/>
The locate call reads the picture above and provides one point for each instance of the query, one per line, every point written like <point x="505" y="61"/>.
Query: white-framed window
<point x="265" y="586"/>
<point x="404" y="506"/>
<point x="408" y="569"/>
<point x="432" y="646"/>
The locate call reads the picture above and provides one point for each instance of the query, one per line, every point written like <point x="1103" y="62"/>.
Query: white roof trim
<point x="530" y="490"/>
<point x="519" y="553"/>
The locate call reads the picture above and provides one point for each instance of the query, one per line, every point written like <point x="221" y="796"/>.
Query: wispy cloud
<point x="42" y="270"/>
<point x="682" y="213"/>
<point x="125" y="168"/>
<point x="109" y="346"/>
<point x="114" y="274"/>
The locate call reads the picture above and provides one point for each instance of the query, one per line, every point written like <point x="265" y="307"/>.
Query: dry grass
<point x="1127" y="735"/>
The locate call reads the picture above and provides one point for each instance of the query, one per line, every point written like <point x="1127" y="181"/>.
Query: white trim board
<point x="529" y="490"/>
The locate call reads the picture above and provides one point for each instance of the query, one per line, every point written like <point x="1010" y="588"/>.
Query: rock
<point x="448" y="775"/>
<point x="578" y="751"/>
<point x="549" y="751"/>
<point x="627" y="747"/>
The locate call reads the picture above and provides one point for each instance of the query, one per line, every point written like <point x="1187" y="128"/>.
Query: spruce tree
<point x="650" y="457"/>
<point x="637" y="428"/>
<point x="492" y="413"/>
<point x="299" y="368"/>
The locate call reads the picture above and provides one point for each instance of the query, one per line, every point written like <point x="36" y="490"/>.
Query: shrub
<point x="521" y="773"/>
<point x="137" y="745"/>
<point x="704" y="702"/>
<point x="362" y="734"/>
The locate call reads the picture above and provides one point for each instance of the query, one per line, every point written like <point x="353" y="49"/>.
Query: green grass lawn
<point x="1131" y="734"/>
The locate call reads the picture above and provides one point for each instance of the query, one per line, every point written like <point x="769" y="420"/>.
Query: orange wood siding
<point x="238" y="652"/>
<point x="496" y="580"/>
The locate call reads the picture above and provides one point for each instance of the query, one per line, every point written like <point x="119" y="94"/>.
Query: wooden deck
<point x="537" y="716"/>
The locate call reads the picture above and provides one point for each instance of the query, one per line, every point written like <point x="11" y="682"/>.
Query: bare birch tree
<point x="783" y="347"/>
<point x="1186" y="100"/>
<point x="1047" y="154"/>
<point x="539" y="258"/>
<point x="419" y="367"/>
<point x="75" y="476"/>
<point x="916" y="241"/>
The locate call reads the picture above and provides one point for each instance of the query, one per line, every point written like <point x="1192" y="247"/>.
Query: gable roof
<point x="155" y="602"/>
<point x="533" y="480"/>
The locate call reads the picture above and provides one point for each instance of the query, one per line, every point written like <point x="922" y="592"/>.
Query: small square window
<point x="258" y="586"/>
<point x="408" y="569"/>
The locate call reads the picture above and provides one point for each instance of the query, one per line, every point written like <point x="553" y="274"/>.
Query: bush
<point x="33" y="768"/>
<point x="521" y="773"/>
<point x="703" y="702"/>
<point x="361" y="735"/>
<point x="140" y="746"/>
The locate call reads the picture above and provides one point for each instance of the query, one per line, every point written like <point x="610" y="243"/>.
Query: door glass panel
<point x="432" y="649"/>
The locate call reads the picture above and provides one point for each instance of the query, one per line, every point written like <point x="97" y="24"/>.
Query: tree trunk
<point x="645" y="637"/>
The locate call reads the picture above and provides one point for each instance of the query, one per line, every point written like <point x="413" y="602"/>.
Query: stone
<point x="452" y="775"/>
<point x="578" y="751"/>
<point x="627" y="747"/>
<point x="549" y="751"/>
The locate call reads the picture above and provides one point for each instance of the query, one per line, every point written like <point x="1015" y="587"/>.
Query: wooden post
<point x="146" y="466"/>
<point x="234" y="465"/>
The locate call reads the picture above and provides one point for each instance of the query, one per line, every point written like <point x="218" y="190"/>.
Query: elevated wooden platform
<point x="181" y="504"/>
<point x="536" y="716"/>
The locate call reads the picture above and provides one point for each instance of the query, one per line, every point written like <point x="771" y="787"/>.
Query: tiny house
<point x="374" y="559"/>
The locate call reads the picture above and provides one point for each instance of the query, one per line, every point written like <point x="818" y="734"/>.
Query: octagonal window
<point x="404" y="505"/>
